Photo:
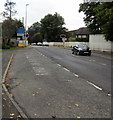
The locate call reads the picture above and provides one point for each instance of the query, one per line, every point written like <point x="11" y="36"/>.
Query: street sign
<point x="20" y="31"/>
<point x="62" y="36"/>
<point x="64" y="39"/>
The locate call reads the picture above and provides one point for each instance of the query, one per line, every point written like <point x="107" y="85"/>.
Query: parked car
<point x="39" y="44"/>
<point x="81" y="49"/>
<point x="45" y="44"/>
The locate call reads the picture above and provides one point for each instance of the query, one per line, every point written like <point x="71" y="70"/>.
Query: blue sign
<point x="20" y="31"/>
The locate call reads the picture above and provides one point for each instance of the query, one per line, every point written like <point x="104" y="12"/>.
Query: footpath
<point x="8" y="109"/>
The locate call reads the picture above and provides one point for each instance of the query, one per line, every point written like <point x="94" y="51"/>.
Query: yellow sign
<point x="20" y="44"/>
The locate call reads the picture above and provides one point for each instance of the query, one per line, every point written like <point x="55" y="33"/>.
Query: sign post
<point x="21" y="37"/>
<point x="63" y="36"/>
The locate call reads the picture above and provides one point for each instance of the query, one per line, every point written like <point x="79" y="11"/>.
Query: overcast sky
<point x="37" y="9"/>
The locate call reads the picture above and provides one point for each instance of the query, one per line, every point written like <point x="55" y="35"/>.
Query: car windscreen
<point x="83" y="46"/>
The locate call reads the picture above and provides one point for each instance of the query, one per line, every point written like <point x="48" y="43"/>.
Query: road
<point x="52" y="85"/>
<point x="95" y="69"/>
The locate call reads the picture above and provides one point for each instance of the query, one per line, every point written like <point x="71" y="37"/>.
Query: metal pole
<point x="26" y="24"/>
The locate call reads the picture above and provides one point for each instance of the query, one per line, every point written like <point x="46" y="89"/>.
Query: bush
<point x="5" y="46"/>
<point x="82" y="39"/>
<point x="72" y="39"/>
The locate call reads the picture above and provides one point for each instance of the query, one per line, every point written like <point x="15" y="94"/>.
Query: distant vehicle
<point x="45" y="44"/>
<point x="39" y="44"/>
<point x="33" y="43"/>
<point x="81" y="49"/>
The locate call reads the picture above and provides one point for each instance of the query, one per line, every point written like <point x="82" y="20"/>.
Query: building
<point x="82" y="32"/>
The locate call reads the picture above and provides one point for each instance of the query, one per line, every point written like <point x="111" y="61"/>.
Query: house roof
<point x="81" y="31"/>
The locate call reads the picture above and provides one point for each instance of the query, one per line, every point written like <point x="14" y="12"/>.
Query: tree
<point x="99" y="18"/>
<point x="9" y="28"/>
<point x="9" y="9"/>
<point x="52" y="27"/>
<point x="35" y="28"/>
<point x="91" y="19"/>
<point x="105" y="16"/>
<point x="37" y="37"/>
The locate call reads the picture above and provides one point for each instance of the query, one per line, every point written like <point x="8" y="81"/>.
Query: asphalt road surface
<point x="49" y="82"/>
<point x="95" y="68"/>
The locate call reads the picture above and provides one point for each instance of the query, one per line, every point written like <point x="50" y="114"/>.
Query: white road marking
<point x="59" y="65"/>
<point x="103" y="64"/>
<point x="76" y="75"/>
<point x="94" y="85"/>
<point x="41" y="74"/>
<point x="66" y="69"/>
<point x="109" y="94"/>
<point x="92" y="60"/>
<point x="112" y="66"/>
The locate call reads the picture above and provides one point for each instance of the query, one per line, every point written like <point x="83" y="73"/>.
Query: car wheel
<point x="77" y="53"/>
<point x="89" y="54"/>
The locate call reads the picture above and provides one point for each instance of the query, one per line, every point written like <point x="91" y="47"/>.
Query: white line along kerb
<point x="94" y="85"/>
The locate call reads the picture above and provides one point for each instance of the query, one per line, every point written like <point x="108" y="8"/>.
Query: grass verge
<point x="12" y="48"/>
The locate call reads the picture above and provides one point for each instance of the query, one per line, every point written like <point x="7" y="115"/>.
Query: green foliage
<point x="5" y="46"/>
<point x="52" y="27"/>
<point x="72" y="39"/>
<point x="37" y="37"/>
<point x="9" y="27"/>
<point x="33" y="30"/>
<point x="105" y="16"/>
<point x="91" y="19"/>
<point x="99" y="18"/>
<point x="82" y="39"/>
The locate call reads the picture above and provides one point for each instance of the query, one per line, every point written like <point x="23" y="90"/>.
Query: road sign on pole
<point x="63" y="36"/>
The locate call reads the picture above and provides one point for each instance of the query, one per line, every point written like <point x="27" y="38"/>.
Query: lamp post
<point x="26" y="24"/>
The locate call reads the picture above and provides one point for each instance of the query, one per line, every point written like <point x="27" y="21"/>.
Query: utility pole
<point x="26" y="24"/>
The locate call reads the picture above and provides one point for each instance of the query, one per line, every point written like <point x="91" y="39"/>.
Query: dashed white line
<point x="109" y="94"/>
<point x="40" y="74"/>
<point x="59" y="65"/>
<point x="95" y="86"/>
<point x="92" y="60"/>
<point x="76" y="75"/>
<point x="66" y="69"/>
<point x="103" y="64"/>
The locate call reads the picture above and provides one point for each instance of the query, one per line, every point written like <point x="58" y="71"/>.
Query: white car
<point x="39" y="44"/>
<point x="45" y="44"/>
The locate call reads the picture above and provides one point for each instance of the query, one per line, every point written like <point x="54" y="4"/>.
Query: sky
<point x="37" y="9"/>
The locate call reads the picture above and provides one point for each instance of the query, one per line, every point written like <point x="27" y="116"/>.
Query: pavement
<point x="45" y="89"/>
<point x="8" y="109"/>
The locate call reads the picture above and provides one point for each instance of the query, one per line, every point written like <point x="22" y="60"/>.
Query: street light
<point x="26" y="24"/>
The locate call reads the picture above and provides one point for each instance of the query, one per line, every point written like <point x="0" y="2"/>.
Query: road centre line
<point x="109" y="94"/>
<point x="59" y="65"/>
<point x="76" y="75"/>
<point x="66" y="69"/>
<point x="95" y="86"/>
<point x="92" y="60"/>
<point x="103" y="64"/>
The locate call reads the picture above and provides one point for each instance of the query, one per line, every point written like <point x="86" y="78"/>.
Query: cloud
<point x="37" y="9"/>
